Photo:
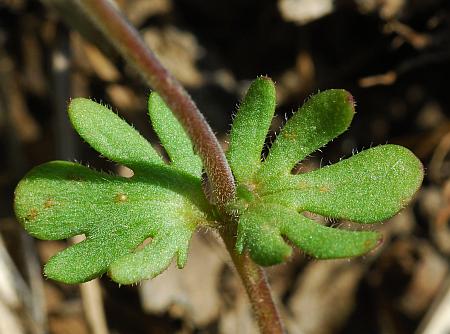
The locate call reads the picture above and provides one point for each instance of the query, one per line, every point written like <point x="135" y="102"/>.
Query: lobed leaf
<point x="261" y="230"/>
<point x="250" y="128"/>
<point x="322" y="118"/>
<point x="369" y="187"/>
<point x="173" y="137"/>
<point x="109" y="135"/>
<point x="154" y="258"/>
<point x="60" y="199"/>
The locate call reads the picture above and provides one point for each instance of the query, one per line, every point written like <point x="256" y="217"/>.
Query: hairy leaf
<point x="60" y="199"/>
<point x="109" y="135"/>
<point x="250" y="128"/>
<point x="322" y="118"/>
<point x="160" y="252"/>
<point x="369" y="187"/>
<point x="261" y="230"/>
<point x="173" y="137"/>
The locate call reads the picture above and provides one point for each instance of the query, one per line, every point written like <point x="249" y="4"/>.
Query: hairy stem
<point x="256" y="285"/>
<point x="130" y="45"/>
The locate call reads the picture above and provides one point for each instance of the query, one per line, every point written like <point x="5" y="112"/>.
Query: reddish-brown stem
<point x="131" y="46"/>
<point x="255" y="282"/>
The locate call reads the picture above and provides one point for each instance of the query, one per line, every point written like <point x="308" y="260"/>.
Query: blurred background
<point x="392" y="55"/>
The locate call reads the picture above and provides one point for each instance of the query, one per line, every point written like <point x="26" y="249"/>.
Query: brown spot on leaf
<point x="302" y="185"/>
<point x="251" y="186"/>
<point x="324" y="189"/>
<point x="32" y="215"/>
<point x="368" y="244"/>
<point x="49" y="203"/>
<point x="120" y="198"/>
<point x="290" y="136"/>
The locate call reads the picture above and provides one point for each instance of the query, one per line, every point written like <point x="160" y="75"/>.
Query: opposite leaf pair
<point x="60" y="199"/>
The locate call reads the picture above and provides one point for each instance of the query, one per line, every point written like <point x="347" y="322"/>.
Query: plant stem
<point x="256" y="285"/>
<point x="130" y="45"/>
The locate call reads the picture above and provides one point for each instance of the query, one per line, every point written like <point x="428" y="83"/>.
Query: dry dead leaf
<point x="304" y="11"/>
<point x="387" y="8"/>
<point x="428" y="275"/>
<point x="124" y="98"/>
<point x="101" y="65"/>
<point x="178" y="51"/>
<point x="323" y="288"/>
<point x="138" y="11"/>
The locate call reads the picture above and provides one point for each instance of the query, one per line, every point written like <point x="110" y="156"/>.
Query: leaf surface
<point x="250" y="128"/>
<point x="261" y="231"/>
<point x="369" y="187"/>
<point x="323" y="117"/>
<point x="271" y="202"/>
<point x="60" y="199"/>
<point x="111" y="136"/>
<point x="173" y="137"/>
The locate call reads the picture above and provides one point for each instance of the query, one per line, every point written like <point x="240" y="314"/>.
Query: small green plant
<point x="165" y="202"/>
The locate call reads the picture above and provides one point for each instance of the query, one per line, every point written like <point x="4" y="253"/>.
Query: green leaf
<point x="322" y="118"/>
<point x="369" y="187"/>
<point x="60" y="199"/>
<point x="108" y="134"/>
<point x="261" y="230"/>
<point x="173" y="137"/>
<point x="250" y="128"/>
<point x="154" y="258"/>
